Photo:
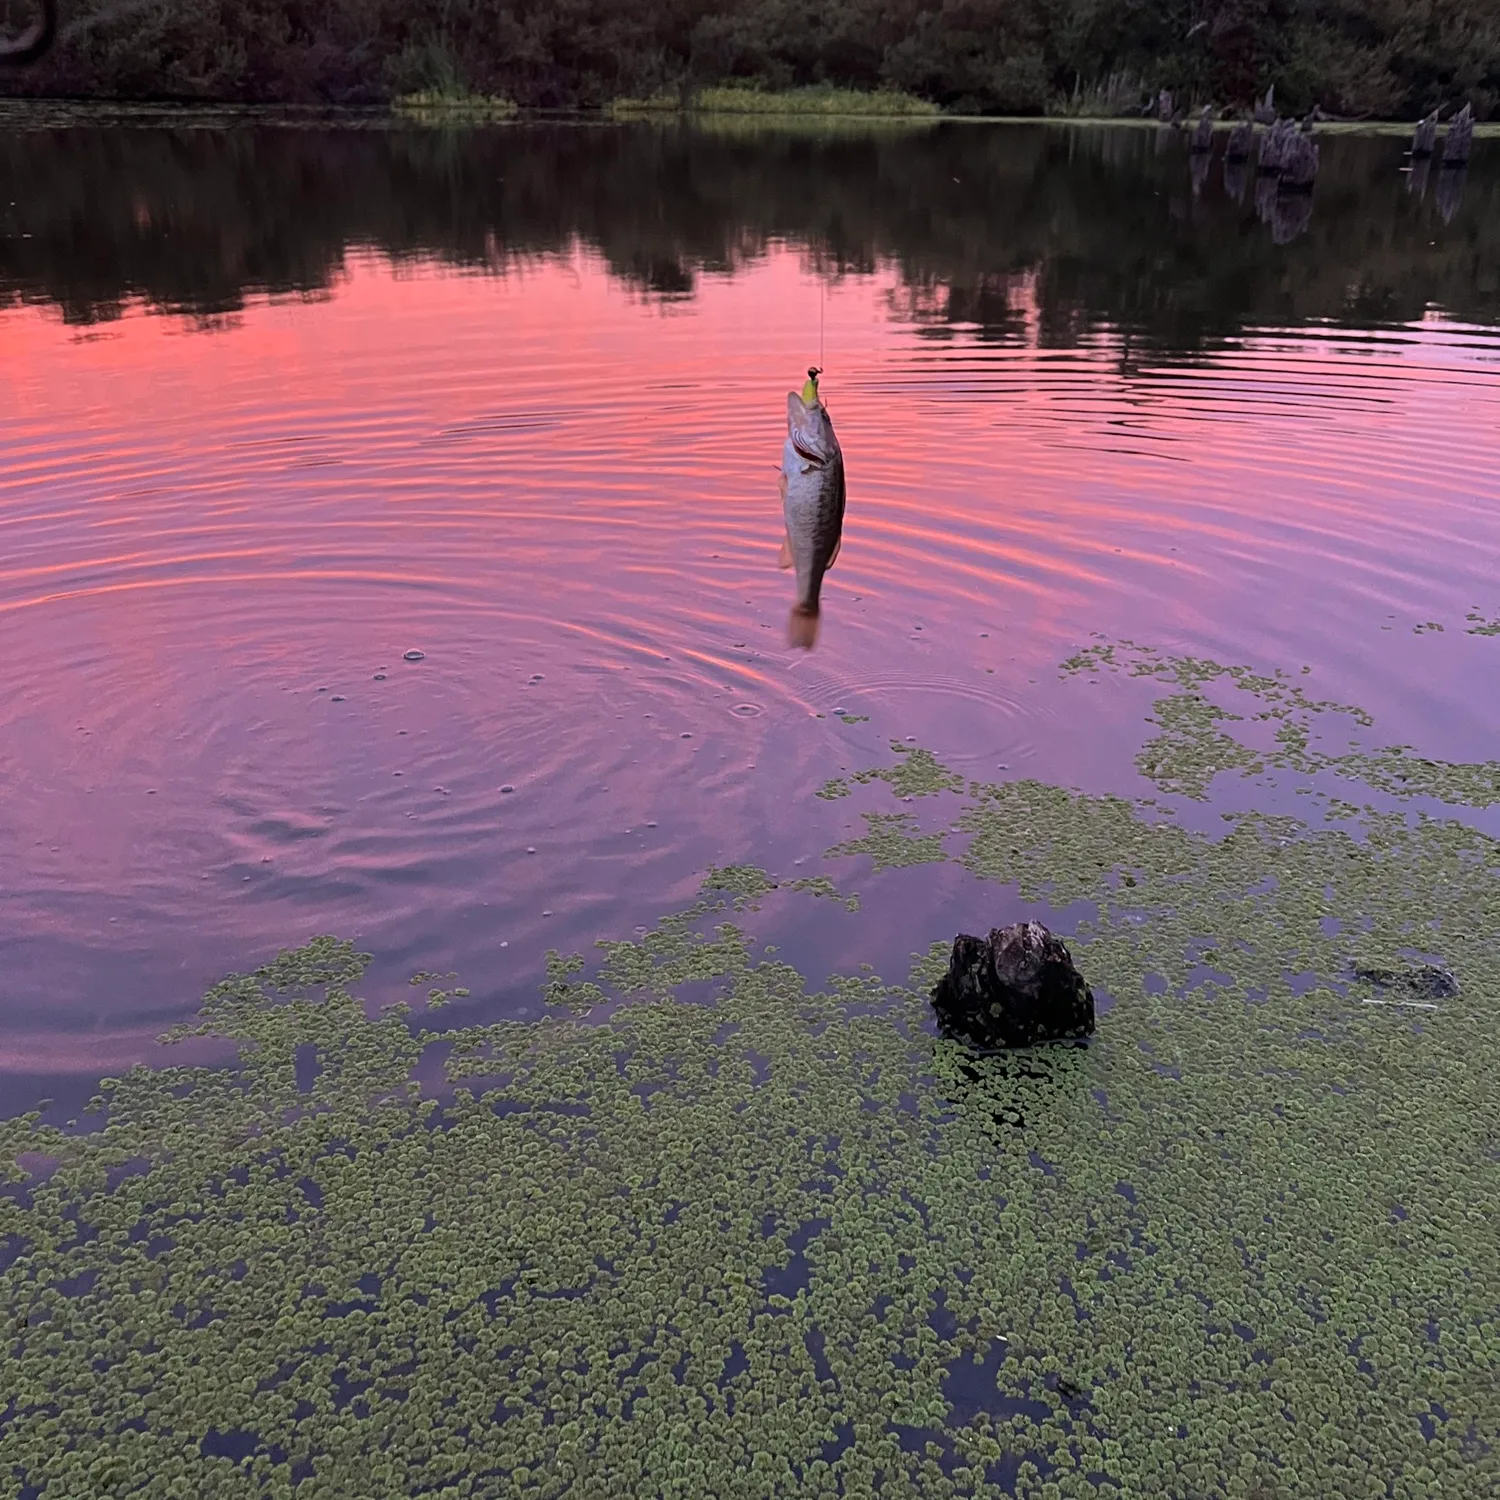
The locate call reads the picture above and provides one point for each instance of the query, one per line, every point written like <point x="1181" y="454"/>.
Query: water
<point x="281" y="405"/>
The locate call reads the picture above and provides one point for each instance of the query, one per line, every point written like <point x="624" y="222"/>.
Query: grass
<point x="455" y="101"/>
<point x="818" y="102"/>
<point x="1116" y="96"/>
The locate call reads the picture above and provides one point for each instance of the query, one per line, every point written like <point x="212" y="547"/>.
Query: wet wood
<point x="1458" y="144"/>
<point x="1424" y="141"/>
<point x="1273" y="147"/>
<point x="1299" y="162"/>
<point x="1203" y="133"/>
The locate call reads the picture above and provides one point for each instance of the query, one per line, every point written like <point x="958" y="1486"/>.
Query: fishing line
<point x="822" y="303"/>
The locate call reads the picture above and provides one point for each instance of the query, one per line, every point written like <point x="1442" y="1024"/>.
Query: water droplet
<point x="546" y="913"/>
<point x="507" y="788"/>
<point x="651" y="824"/>
<point x="414" y="655"/>
<point x="746" y="710"/>
<point x="379" y="677"/>
<point x="150" y="791"/>
<point x="338" y="698"/>
<point x="504" y="943"/>
<point x="531" y="849"/>
<point x="685" y="735"/>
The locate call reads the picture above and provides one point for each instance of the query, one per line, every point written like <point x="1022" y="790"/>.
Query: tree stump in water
<point x="1273" y="148"/>
<point x="1299" y="163"/>
<point x="1012" y="989"/>
<point x="1424" y="141"/>
<point x="1458" y="144"/>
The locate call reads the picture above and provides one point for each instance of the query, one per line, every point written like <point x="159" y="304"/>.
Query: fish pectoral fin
<point x="833" y="556"/>
<point x="785" y="560"/>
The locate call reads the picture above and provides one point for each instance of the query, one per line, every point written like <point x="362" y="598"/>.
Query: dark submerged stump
<point x="1423" y="981"/>
<point x="1012" y="989"/>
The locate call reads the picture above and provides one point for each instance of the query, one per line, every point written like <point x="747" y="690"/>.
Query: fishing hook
<point x="32" y="44"/>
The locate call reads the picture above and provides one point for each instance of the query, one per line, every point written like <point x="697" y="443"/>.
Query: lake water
<point x="279" y="405"/>
<point x="388" y="536"/>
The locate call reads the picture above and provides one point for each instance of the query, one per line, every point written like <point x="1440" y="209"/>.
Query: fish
<point x="812" y="503"/>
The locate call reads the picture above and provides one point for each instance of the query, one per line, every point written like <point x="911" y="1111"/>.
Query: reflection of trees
<point x="1104" y="229"/>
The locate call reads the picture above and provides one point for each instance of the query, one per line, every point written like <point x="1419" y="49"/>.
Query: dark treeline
<point x="1355" y="57"/>
<point x="1104" y="223"/>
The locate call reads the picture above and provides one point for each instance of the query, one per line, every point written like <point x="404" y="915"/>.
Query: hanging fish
<point x="812" y="500"/>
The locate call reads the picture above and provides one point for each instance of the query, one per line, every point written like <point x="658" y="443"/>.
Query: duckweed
<point x="789" y="1243"/>
<point x="1192" y="746"/>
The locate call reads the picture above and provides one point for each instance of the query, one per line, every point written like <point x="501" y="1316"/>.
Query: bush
<point x="1385" y="57"/>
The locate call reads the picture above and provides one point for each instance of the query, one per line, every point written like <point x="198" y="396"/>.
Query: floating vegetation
<point x="784" y="1241"/>
<point x="1478" y="625"/>
<point x="915" y="774"/>
<point x="1192" y="747"/>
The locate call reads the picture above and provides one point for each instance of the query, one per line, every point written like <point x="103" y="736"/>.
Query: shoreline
<point x="206" y="113"/>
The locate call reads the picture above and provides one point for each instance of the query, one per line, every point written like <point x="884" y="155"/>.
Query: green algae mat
<point x="718" y="1228"/>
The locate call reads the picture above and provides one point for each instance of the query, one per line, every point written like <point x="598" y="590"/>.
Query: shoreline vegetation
<point x="812" y="106"/>
<point x="813" y="102"/>
<point x="1354" y="59"/>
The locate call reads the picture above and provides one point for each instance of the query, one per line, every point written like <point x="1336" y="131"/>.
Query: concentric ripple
<point x="219" y="548"/>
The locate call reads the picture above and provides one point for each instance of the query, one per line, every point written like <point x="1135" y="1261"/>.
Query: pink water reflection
<point x="565" y="495"/>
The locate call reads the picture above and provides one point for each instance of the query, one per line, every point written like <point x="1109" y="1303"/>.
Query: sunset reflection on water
<point x="218" y="536"/>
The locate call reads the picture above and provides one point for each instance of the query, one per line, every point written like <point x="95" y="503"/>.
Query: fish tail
<point x="802" y="626"/>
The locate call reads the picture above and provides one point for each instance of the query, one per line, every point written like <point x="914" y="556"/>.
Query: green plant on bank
<point x="815" y="102"/>
<point x="1357" y="58"/>
<point x="434" y="101"/>
<point x="782" y="1241"/>
<point x="1115" y="96"/>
